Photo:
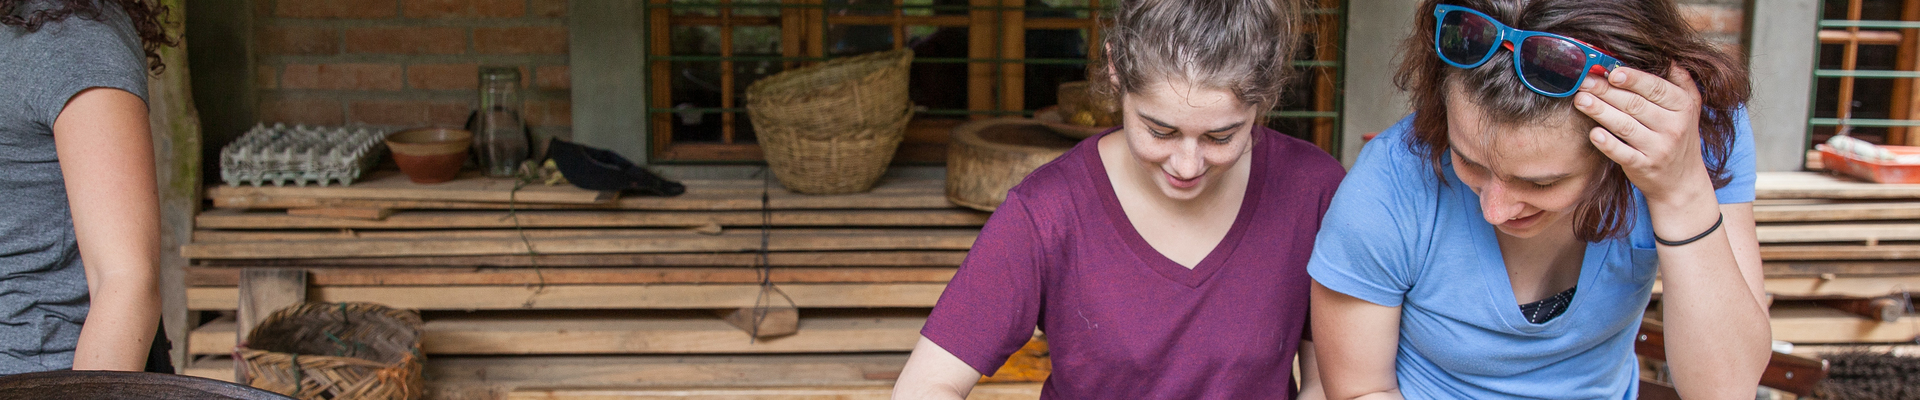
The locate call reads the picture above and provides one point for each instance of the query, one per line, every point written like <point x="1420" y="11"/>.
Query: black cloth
<point x="1540" y="312"/>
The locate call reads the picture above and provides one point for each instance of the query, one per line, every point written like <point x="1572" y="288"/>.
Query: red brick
<point x="266" y="77"/>
<point x="443" y="76"/>
<point x="553" y="77"/>
<point x="463" y="8"/>
<point x="337" y="8"/>
<point x="342" y="76"/>
<point x="407" y="40"/>
<point x="449" y="114"/>
<point x="388" y="112"/>
<point x="520" y="40"/>
<point x="549" y="8"/>
<point x="301" y="111"/>
<point x="299" y="40"/>
<point x="1714" y="19"/>
<point x="549" y="113"/>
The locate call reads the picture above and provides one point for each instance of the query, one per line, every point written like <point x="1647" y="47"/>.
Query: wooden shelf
<point x="597" y="297"/>
<point x="570" y="334"/>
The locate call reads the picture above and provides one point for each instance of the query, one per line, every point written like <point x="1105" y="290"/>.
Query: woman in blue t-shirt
<point x="1503" y="241"/>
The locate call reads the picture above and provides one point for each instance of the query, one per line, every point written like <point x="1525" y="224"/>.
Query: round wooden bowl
<point x="988" y="157"/>
<point x="1051" y="118"/>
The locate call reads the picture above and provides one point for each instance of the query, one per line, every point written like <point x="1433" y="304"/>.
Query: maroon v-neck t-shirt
<point x="1124" y="321"/>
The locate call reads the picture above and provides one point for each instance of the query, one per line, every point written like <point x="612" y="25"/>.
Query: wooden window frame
<point x="1853" y="33"/>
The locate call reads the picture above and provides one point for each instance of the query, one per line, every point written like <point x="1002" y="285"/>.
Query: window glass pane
<point x="696" y="11"/>
<point x="1043" y="80"/>
<point x="756" y="11"/>
<point x="696" y="40"/>
<point x="756" y="40"/>
<point x="860" y="7"/>
<point x="1057" y="9"/>
<point x="696" y="85"/>
<point x="846" y="40"/>
<point x="938" y="85"/>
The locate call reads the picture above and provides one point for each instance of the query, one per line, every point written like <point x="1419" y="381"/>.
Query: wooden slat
<point x="663" y="371"/>
<point x="500" y="335"/>
<point x="582" y="297"/>
<point x="1812" y="324"/>
<point x="239" y="219"/>
<point x="263" y="291"/>
<point x="939" y="258"/>
<point x="992" y="391"/>
<point x="408" y="276"/>
<point x="1825" y="212"/>
<point x="1814" y="185"/>
<point x="1840" y="252"/>
<point x="1849" y="286"/>
<point x="391" y="185"/>
<point x="1855" y="232"/>
<point x="370" y="214"/>
<point x="473" y="243"/>
<point x="1805" y="269"/>
<point x="700" y="195"/>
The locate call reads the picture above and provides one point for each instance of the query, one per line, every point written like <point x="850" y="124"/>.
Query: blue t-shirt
<point x="1396" y="236"/>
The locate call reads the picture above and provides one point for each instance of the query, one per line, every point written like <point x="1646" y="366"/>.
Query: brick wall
<point x="406" y="63"/>
<point x="1722" y="21"/>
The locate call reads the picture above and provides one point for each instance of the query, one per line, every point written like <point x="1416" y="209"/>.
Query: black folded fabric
<point x="598" y="169"/>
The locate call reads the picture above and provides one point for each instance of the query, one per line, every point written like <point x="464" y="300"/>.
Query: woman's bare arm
<point x="934" y="373"/>
<point x="1355" y="343"/>
<point x="106" y="156"/>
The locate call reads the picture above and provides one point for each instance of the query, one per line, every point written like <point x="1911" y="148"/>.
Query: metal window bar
<point x="1853" y="32"/>
<point x="999" y="56"/>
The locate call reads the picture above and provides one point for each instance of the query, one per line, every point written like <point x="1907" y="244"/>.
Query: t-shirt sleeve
<point x="1362" y="247"/>
<point x="82" y="53"/>
<point x="991" y="306"/>
<point x="1740" y="163"/>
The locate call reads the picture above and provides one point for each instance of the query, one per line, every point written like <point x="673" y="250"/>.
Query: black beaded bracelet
<point x="1695" y="238"/>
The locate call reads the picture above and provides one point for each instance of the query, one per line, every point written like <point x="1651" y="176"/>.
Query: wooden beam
<point x="260" y="293"/>
<point x="582" y="297"/>
<point x="500" y="335"/>
<point x="1835" y="287"/>
<point x="217" y="244"/>
<point x="1870" y="233"/>
<point x="1807" y="269"/>
<point x="1812" y="324"/>
<point x="701" y="195"/>
<point x="1840" y="252"/>
<point x="364" y="214"/>
<point x="663" y="371"/>
<point x="240" y="219"/>
<point x="993" y="391"/>
<point x="1814" y="185"/>
<point x="935" y="258"/>
<point x="1831" y="212"/>
<point x="217" y="277"/>
<point x="470" y="186"/>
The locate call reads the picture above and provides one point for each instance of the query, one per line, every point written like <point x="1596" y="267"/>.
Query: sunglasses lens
<point x="1465" y="38"/>
<point x="1551" y="64"/>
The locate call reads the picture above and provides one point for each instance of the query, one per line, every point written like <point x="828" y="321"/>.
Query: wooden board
<point x="992" y="391"/>
<point x="1871" y="233"/>
<point x="1839" y="286"/>
<point x="580" y="297"/>
<point x="613" y="335"/>
<point x="240" y="219"/>
<point x="937" y="258"/>
<point x="262" y="291"/>
<point x="700" y="195"/>
<point x="665" y="371"/>
<point x="1876" y="211"/>
<point x="227" y="244"/>
<point x="1815" y="185"/>
<point x="1840" y="252"/>
<point x="1806" y="269"/>
<point x="226" y="277"/>
<point x="470" y="186"/>
<point x="1812" y="324"/>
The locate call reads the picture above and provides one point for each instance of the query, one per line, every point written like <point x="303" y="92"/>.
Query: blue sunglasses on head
<point x="1548" y="64"/>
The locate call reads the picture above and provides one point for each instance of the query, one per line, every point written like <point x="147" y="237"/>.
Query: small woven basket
<point x="833" y="127"/>
<point x="335" y="351"/>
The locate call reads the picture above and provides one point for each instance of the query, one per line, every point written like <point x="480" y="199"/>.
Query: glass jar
<point x="500" y="135"/>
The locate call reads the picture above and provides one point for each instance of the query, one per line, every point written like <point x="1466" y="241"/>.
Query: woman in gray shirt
<point x="79" y="210"/>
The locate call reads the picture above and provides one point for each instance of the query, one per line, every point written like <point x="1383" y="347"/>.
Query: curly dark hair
<point x="146" y="20"/>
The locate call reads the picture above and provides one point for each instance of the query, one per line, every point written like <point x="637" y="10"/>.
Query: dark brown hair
<point x="1648" y="35"/>
<point x="1240" y="46"/>
<point x="146" y="20"/>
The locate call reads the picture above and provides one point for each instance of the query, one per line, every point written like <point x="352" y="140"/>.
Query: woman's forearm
<point x="1717" y="332"/>
<point x="106" y="159"/>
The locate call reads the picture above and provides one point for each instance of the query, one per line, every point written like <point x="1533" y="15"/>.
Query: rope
<point x="521" y="180"/>
<point x="763" y="269"/>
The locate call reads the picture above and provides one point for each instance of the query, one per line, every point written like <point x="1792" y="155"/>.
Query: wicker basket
<point x="335" y="351"/>
<point x="833" y="127"/>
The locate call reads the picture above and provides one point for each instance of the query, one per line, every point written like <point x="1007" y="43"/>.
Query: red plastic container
<point x="1872" y="171"/>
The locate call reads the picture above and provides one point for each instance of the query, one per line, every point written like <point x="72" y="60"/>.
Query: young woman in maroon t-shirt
<point x="1164" y="259"/>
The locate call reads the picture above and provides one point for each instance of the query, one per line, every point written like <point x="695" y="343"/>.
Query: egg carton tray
<point x="300" y="155"/>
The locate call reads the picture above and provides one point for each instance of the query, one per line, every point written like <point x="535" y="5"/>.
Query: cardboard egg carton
<point x="301" y="155"/>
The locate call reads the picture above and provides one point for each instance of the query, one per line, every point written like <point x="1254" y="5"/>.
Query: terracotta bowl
<point x="430" y="155"/>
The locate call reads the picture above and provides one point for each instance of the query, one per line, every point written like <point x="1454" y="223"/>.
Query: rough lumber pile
<point x="577" y="294"/>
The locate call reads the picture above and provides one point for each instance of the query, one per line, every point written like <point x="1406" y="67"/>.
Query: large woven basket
<point x="833" y="127"/>
<point x="335" y="351"/>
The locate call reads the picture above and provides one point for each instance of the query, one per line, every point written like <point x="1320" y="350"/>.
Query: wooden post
<point x="175" y="126"/>
<point x="263" y="291"/>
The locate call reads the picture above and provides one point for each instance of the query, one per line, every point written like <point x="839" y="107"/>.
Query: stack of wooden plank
<point x="549" y="287"/>
<point x="1841" y="257"/>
